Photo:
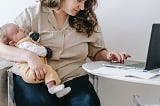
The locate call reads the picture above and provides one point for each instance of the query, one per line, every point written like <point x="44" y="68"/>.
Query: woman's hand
<point x="37" y="66"/>
<point x="117" y="56"/>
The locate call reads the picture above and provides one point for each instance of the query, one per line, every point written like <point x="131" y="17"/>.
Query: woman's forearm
<point x="37" y="66"/>
<point x="13" y="54"/>
<point x="101" y="56"/>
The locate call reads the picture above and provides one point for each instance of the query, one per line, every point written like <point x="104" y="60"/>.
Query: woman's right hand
<point x="117" y="56"/>
<point x="37" y="66"/>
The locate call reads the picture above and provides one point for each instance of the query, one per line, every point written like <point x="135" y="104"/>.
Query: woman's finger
<point x="42" y="74"/>
<point x="122" y="57"/>
<point x="34" y="75"/>
<point x="115" y="57"/>
<point x="126" y="55"/>
<point x="38" y="76"/>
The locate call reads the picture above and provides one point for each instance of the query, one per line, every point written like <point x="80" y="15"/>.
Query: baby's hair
<point x="2" y="31"/>
<point x="3" y="37"/>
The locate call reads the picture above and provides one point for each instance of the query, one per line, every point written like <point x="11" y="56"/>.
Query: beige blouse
<point x="70" y="48"/>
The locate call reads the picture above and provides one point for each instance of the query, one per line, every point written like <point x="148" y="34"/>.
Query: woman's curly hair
<point x="85" y="21"/>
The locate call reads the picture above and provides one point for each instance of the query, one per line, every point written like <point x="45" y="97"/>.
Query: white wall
<point x="126" y="26"/>
<point x="9" y="9"/>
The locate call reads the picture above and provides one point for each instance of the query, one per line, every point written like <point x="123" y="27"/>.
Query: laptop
<point x="153" y="56"/>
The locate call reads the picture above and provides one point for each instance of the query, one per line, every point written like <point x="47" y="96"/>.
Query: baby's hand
<point x="49" y="52"/>
<point x="37" y="66"/>
<point x="34" y="36"/>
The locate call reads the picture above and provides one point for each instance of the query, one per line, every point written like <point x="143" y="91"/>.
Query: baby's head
<point x="11" y="34"/>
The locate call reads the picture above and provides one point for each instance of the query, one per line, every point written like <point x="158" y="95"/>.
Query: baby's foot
<point x="56" y="88"/>
<point x="63" y="92"/>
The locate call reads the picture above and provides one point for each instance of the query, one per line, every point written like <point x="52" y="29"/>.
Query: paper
<point x="120" y="72"/>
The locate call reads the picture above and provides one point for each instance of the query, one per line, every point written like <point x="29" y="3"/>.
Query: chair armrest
<point x="11" y="101"/>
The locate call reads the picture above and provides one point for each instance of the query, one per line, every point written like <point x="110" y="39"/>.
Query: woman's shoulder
<point x="33" y="7"/>
<point x="27" y="16"/>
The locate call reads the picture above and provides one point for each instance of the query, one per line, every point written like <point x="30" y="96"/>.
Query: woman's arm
<point x="19" y="55"/>
<point x="105" y="55"/>
<point x="13" y="54"/>
<point x="101" y="56"/>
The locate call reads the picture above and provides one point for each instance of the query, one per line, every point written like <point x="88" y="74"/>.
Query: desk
<point x="95" y="65"/>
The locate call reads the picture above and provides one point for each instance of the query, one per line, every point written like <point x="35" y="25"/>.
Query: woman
<point x="70" y="29"/>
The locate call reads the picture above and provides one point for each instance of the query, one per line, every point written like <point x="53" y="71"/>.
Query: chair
<point x="94" y="80"/>
<point x="137" y="102"/>
<point x="6" y="88"/>
<point x="11" y="101"/>
<point x="3" y="87"/>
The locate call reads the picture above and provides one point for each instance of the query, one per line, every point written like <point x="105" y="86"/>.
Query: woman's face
<point x="72" y="7"/>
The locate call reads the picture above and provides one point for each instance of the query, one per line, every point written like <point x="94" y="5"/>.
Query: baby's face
<point x="15" y="33"/>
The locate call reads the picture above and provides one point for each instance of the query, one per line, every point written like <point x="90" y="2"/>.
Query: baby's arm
<point x="39" y="50"/>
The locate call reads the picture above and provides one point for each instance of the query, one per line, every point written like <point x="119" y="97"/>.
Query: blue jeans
<point x="82" y="94"/>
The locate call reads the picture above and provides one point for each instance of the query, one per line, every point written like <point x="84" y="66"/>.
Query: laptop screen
<point x="153" y="56"/>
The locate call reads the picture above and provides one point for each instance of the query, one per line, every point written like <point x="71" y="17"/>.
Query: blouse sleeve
<point x="37" y="49"/>
<point x="24" y="20"/>
<point x="97" y="44"/>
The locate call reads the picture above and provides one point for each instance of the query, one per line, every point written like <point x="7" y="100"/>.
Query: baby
<point x="13" y="35"/>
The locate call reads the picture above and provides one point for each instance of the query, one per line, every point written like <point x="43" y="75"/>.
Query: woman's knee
<point x="85" y="100"/>
<point x="90" y="100"/>
<point x="32" y="100"/>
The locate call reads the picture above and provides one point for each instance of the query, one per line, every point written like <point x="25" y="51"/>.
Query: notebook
<point x="153" y="55"/>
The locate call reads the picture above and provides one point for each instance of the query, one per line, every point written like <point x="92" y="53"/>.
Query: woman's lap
<point x="31" y="94"/>
<point x="82" y="94"/>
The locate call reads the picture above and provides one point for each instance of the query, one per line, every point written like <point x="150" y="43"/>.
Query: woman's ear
<point x="12" y="43"/>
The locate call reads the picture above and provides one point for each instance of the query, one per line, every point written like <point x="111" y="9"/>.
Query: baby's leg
<point x="51" y="77"/>
<point x="63" y="92"/>
<point x="52" y="88"/>
<point x="60" y="90"/>
<point x="53" y="83"/>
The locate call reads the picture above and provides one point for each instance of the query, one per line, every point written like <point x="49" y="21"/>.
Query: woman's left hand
<point x="117" y="56"/>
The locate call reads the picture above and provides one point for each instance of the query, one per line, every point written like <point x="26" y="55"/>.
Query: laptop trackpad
<point x="138" y="65"/>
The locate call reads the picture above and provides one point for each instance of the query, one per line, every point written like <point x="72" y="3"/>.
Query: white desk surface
<point x="88" y="67"/>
